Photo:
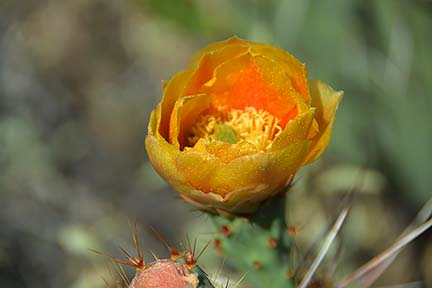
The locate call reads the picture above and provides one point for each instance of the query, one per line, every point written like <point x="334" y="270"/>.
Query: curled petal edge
<point x="326" y="101"/>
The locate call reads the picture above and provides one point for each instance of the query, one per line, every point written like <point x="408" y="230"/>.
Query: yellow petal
<point x="287" y="161"/>
<point x="198" y="167"/>
<point x="186" y="110"/>
<point x="247" y="171"/>
<point x="266" y="176"/>
<point x="226" y="151"/>
<point x="162" y="155"/>
<point x="171" y="93"/>
<point x="247" y="199"/>
<point x="208" y="173"/>
<point x="204" y="201"/>
<point x="230" y="42"/>
<point x="296" y="130"/>
<point x="154" y="120"/>
<point x="326" y="101"/>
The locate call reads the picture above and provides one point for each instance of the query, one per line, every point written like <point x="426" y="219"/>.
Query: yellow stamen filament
<point x="257" y="127"/>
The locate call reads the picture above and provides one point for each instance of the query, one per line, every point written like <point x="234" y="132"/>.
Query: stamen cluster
<point x="257" y="127"/>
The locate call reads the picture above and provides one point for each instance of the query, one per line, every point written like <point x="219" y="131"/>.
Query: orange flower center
<point x="257" y="127"/>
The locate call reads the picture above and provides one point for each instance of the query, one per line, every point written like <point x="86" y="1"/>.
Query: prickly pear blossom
<point x="237" y="124"/>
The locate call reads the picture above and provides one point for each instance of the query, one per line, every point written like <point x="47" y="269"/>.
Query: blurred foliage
<point x="79" y="78"/>
<point x="183" y="12"/>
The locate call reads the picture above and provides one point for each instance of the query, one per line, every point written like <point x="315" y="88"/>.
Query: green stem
<point x="259" y="245"/>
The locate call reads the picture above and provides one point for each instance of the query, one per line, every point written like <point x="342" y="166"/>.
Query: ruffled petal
<point x="295" y="70"/>
<point x="162" y="155"/>
<point x="296" y="130"/>
<point x="253" y="81"/>
<point x="206" y="64"/>
<point x="226" y="151"/>
<point x="326" y="101"/>
<point x="199" y="167"/>
<point x="230" y="42"/>
<point x="171" y="92"/>
<point x="208" y="173"/>
<point x="186" y="110"/>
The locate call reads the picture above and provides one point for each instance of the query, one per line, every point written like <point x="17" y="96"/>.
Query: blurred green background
<point x="78" y="79"/>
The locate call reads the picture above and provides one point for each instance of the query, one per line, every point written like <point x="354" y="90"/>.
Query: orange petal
<point x="247" y="81"/>
<point x="276" y="77"/>
<point x="206" y="64"/>
<point x="295" y="70"/>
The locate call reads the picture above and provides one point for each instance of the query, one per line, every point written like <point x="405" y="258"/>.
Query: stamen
<point x="257" y="127"/>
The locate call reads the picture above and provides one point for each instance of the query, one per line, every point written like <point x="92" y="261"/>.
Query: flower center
<point x="257" y="127"/>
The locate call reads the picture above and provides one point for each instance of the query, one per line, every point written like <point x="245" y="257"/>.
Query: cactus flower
<point x="237" y="124"/>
